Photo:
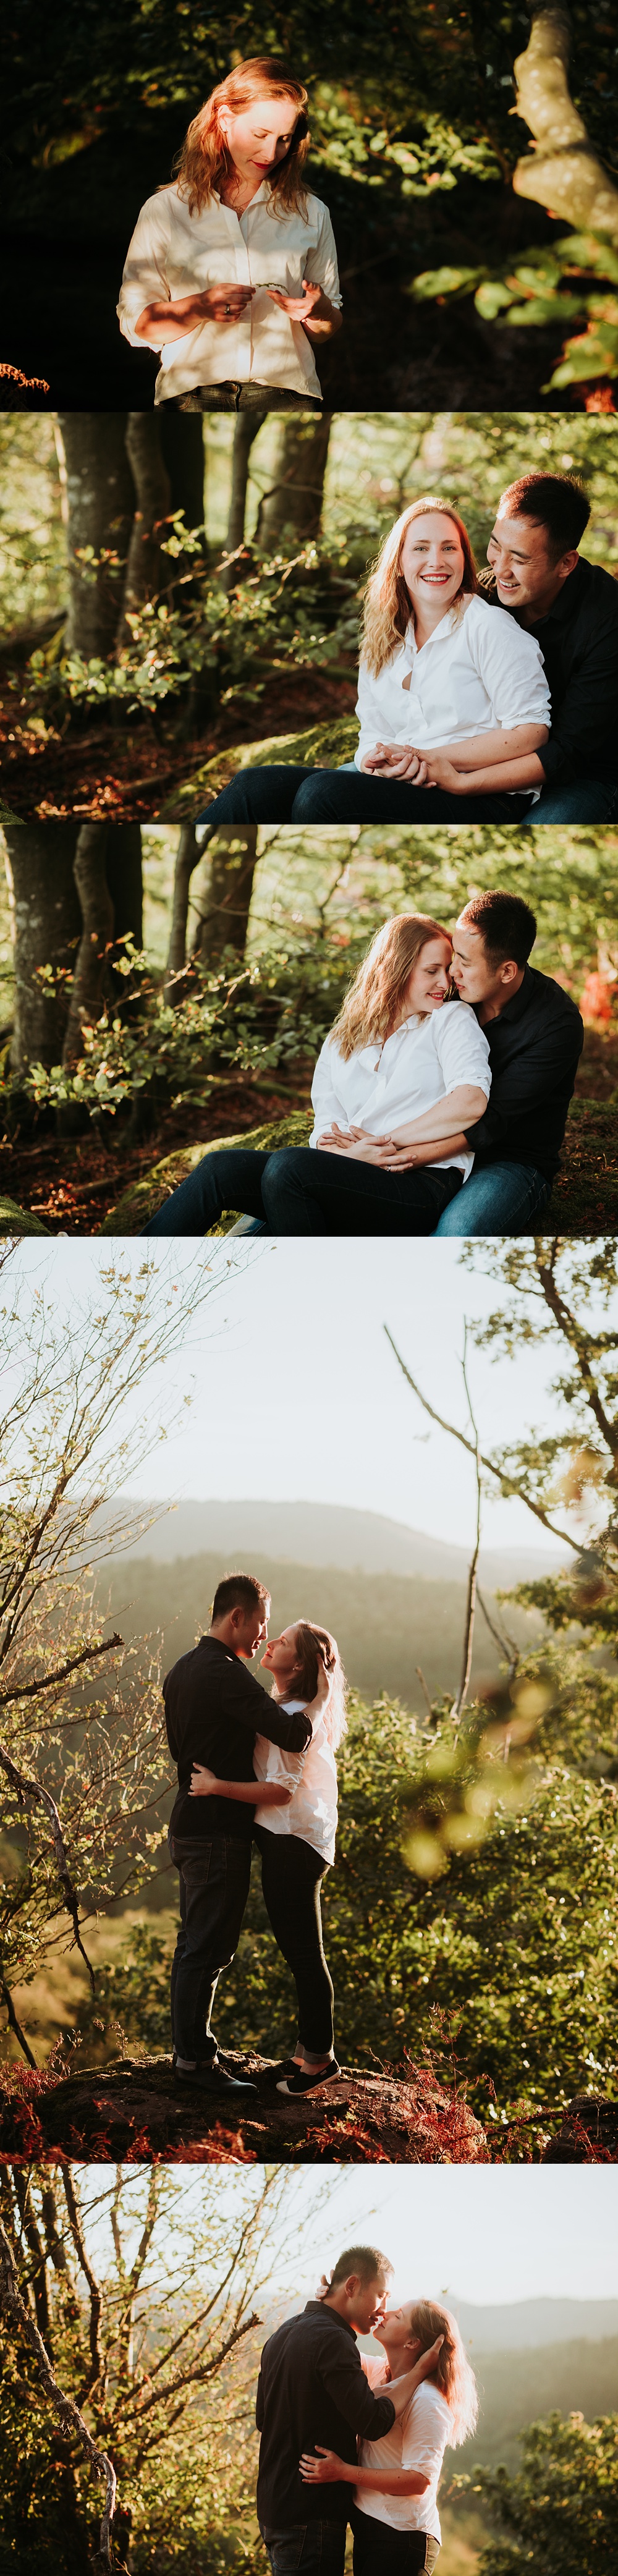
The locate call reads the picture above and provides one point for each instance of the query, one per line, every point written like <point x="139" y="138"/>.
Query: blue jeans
<point x="214" y="1886"/>
<point x="299" y="1191"/>
<point x="308" y="2549"/>
<point x="501" y="1198"/>
<point x="586" y="800"/>
<point x="288" y="793"/>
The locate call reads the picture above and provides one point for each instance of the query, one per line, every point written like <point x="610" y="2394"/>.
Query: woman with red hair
<point x="232" y="270"/>
<point x="453" y="701"/>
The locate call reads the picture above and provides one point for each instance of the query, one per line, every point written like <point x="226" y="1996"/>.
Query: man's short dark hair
<point x="239" y="1592"/>
<point x="365" y="2261"/>
<point x="557" y="500"/>
<point x="507" y="926"/>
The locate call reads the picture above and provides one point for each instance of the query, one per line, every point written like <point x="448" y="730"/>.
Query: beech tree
<point x="125" y="474"/>
<point x="77" y="896"/>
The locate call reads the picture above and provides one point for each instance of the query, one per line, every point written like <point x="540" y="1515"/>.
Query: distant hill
<point x="520" y="2388"/>
<point x="325" y="1534"/>
<point x="531" y="2322"/>
<point x="386" y="1624"/>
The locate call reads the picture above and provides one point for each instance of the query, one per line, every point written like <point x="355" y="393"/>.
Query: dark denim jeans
<point x="502" y="1198"/>
<point x="380" y="2551"/>
<point x="586" y="800"/>
<point x="308" y="2549"/>
<point x="292" y="1874"/>
<point x="231" y="396"/>
<point x="299" y="1191"/>
<point x="214" y="1886"/>
<point x="291" y="794"/>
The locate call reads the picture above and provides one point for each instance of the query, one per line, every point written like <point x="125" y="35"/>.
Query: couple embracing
<point x="440" y="1096"/>
<point x="253" y="1768"/>
<point x="359" y="2439"/>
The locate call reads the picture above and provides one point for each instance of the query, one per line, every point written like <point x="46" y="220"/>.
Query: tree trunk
<point x="246" y="430"/>
<point x="153" y="494"/>
<point x="183" y="452"/>
<point x="108" y="878"/>
<point x="224" y="916"/>
<point x="295" y="499"/>
<point x="564" y="172"/>
<point x="47" y="932"/>
<point x="187" y="857"/>
<point x="100" y="514"/>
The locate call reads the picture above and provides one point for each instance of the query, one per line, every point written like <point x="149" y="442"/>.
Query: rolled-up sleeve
<point x="321" y="263"/>
<point x="325" y="1104"/>
<point x="510" y="663"/>
<point x="144" y="277"/>
<point x="461" y="1047"/>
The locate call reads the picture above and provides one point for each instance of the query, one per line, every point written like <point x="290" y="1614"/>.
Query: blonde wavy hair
<point x="387" y="606"/>
<point x="453" y="2374"/>
<point x="205" y="159"/>
<point x="315" y="1646"/>
<point x="375" y="998"/>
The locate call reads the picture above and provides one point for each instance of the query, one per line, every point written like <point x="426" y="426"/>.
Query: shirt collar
<point x="446" y="627"/>
<point x="261" y="194"/>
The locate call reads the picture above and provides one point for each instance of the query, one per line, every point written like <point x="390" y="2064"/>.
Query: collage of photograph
<point x="309" y="929"/>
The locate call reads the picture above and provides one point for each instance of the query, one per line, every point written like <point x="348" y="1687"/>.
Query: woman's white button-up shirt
<point x="478" y="670"/>
<point x="312" y="1777"/>
<point x="173" y="254"/>
<point x="381" y="1089"/>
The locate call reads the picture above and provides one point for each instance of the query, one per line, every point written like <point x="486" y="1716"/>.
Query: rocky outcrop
<point x="133" y="2109"/>
<point x="588" y="2133"/>
<point x="323" y="746"/>
<point x="140" y="1202"/>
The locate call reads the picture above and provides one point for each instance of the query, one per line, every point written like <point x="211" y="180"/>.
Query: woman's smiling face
<point x="261" y="135"/>
<point x="430" y="978"/>
<point x="432" y="561"/>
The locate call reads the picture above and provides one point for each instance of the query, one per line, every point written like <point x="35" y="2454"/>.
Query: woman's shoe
<point x="305" y="2081"/>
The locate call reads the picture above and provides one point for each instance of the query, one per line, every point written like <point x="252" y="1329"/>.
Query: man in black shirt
<point x="571" y="606"/>
<point x="535" y="1036"/>
<point x="312" y="2392"/>
<point x="213" y="1711"/>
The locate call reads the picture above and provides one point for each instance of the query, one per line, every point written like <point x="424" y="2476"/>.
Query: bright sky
<point x="489" y="2235"/>
<point x="295" y="1393"/>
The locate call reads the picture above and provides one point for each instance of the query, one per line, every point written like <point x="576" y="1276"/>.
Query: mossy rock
<point x="141" y="1202"/>
<point x="7" y="815"/>
<point x="17" y="1220"/>
<point x="323" y="746"/>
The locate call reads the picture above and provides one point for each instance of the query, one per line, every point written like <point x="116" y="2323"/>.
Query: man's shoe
<point x="212" y="2079"/>
<point x="307" y="2082"/>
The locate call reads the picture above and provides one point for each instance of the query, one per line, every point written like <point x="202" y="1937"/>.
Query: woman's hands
<point x="170" y="321"/>
<point x="398" y="760"/>
<point x="326" y="2469"/>
<point x="356" y="1143"/>
<point x="204" y="1783"/>
<point x="298" y="306"/>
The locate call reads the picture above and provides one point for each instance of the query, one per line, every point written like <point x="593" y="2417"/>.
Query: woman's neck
<point x="238" y="191"/>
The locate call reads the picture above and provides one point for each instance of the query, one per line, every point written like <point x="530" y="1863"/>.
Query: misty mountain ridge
<point x="321" y="1534"/>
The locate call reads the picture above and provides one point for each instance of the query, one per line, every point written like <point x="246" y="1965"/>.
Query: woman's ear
<point x="413" y="2345"/>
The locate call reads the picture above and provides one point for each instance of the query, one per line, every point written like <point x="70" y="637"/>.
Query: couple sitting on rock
<point x="486" y="699"/>
<point x="346" y="2437"/>
<point x="440" y="1096"/>
<point x="253" y="1769"/>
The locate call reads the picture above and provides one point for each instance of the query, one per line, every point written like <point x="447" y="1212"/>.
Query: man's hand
<point x="398" y="760"/>
<point x="441" y="772"/>
<point x="325" y="2470"/>
<point x="204" y="1783"/>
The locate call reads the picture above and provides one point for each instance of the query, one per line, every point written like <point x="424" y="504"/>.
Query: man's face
<point x="252" y="1630"/>
<point x="368" y="2303"/>
<point x="471" y="970"/>
<point x="526" y="574"/>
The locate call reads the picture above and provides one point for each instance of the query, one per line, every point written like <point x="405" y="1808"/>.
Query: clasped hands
<point x="361" y="1148"/>
<point x="418" y="768"/>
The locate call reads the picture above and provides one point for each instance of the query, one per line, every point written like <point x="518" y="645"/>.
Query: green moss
<point x="17" y="1220"/>
<point x="323" y="746"/>
<point x="139" y="1203"/>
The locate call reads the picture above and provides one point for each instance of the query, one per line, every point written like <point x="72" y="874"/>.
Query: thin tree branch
<point x="96" y="2372"/>
<point x="466" y="1658"/>
<point x="14" y="2025"/>
<point x="191" y="2378"/>
<point x="47" y="1681"/>
<point x="14" y="2309"/>
<point x="508" y="1484"/>
<point x="563" y="172"/>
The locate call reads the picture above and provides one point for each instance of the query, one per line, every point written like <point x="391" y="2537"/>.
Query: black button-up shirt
<point x="534" y="1050"/>
<point x="312" y="2388"/>
<point x="214" y="1708"/>
<point x="579" y="644"/>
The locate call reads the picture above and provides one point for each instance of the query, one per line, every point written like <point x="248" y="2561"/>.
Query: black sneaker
<point x="211" y="2079"/>
<point x="306" y="2082"/>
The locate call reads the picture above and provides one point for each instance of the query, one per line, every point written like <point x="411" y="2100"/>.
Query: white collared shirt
<point x="381" y="1088"/>
<point x="417" y="2440"/>
<point x="312" y="1812"/>
<point x="472" y="675"/>
<point x="173" y="254"/>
